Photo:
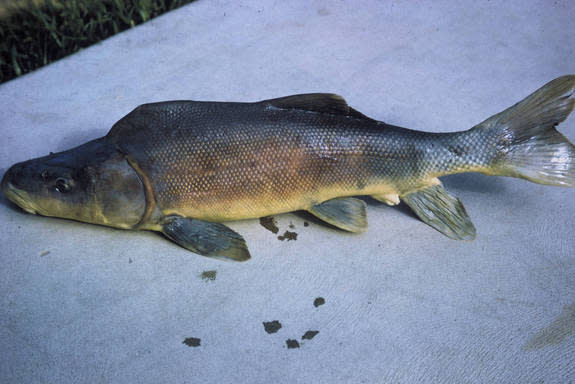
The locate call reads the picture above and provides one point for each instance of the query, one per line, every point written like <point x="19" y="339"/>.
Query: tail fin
<point x="527" y="144"/>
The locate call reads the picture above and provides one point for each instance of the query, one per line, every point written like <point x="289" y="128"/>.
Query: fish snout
<point x="9" y="189"/>
<point x="8" y="179"/>
<point x="13" y="176"/>
<point x="24" y="176"/>
<point x="18" y="186"/>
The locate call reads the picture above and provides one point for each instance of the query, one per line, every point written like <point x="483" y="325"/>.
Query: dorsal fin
<point x="329" y="103"/>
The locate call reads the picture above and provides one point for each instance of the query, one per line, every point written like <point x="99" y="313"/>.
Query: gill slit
<point x="148" y="192"/>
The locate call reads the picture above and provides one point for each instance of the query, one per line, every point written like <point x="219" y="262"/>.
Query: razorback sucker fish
<point x="184" y="167"/>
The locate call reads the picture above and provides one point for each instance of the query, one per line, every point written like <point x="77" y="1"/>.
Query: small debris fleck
<point x="288" y="236"/>
<point x="272" y="326"/>
<point x="192" y="342"/>
<point x="291" y="225"/>
<point x="130" y="261"/>
<point x="291" y="343"/>
<point x="269" y="223"/>
<point x="318" y="301"/>
<point x="305" y="224"/>
<point x="209" y="275"/>
<point x="44" y="253"/>
<point x="309" y="335"/>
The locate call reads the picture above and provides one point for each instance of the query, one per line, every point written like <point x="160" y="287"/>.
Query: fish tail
<point x="524" y="140"/>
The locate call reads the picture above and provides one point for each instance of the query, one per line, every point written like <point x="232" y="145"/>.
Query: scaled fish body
<point x="183" y="167"/>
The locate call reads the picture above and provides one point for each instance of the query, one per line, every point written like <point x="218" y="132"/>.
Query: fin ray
<point x="528" y="145"/>
<point x="444" y="212"/>
<point x="329" y="103"/>
<point x="346" y="213"/>
<point x="206" y="238"/>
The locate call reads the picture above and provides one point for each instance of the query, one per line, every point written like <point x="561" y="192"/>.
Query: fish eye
<point x="62" y="185"/>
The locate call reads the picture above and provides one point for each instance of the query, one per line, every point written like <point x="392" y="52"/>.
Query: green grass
<point x="33" y="35"/>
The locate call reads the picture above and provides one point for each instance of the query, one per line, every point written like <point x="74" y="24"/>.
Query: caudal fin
<point x="527" y="144"/>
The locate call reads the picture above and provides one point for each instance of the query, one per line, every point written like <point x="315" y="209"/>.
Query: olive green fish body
<point x="183" y="167"/>
<point x="229" y="161"/>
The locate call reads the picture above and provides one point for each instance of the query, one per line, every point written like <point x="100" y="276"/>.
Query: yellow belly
<point x="248" y="207"/>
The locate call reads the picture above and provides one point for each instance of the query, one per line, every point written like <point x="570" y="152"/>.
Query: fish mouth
<point x="18" y="197"/>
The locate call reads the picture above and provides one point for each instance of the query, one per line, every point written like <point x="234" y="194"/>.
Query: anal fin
<point x="442" y="211"/>
<point x="346" y="213"/>
<point x="206" y="238"/>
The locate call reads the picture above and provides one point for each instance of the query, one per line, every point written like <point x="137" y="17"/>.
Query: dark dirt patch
<point x="305" y="224"/>
<point x="269" y="223"/>
<point x="309" y="335"/>
<point x="192" y="342"/>
<point x="318" y="301"/>
<point x="272" y="326"/>
<point x="291" y="343"/>
<point x="288" y="236"/>
<point x="209" y="275"/>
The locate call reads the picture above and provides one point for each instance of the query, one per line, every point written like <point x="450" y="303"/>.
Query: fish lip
<point x="15" y="195"/>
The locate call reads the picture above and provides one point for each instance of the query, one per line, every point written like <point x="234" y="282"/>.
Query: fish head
<point x="48" y="187"/>
<point x="90" y="183"/>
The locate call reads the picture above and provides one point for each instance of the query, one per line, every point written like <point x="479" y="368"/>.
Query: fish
<point x="185" y="168"/>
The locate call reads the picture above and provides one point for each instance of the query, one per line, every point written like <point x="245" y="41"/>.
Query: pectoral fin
<point x="346" y="213"/>
<point x="442" y="211"/>
<point x="207" y="239"/>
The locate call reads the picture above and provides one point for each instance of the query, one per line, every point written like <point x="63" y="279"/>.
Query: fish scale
<point x="208" y="172"/>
